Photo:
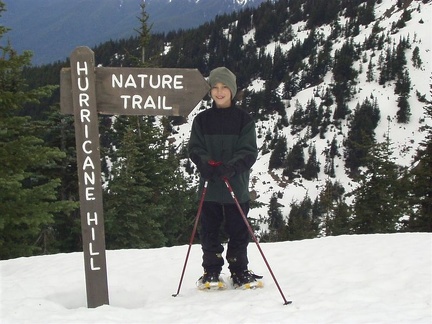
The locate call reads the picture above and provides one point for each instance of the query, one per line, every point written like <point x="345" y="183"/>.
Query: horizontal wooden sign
<point x="140" y="91"/>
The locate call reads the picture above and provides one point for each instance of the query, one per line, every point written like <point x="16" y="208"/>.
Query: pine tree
<point x="331" y="153"/>
<point x="366" y="13"/>
<point x="132" y="215"/>
<point x="59" y="132"/>
<point x="341" y="222"/>
<point x="404" y="112"/>
<point x="295" y="161"/>
<point x="402" y="87"/>
<point x="380" y="199"/>
<point x="301" y="221"/>
<point x="279" y="66"/>
<point x="313" y="118"/>
<point x="276" y="223"/>
<point x="147" y="202"/>
<point x="370" y="72"/>
<point x="403" y="83"/>
<point x="416" y="59"/>
<point x="312" y="165"/>
<point x="343" y="70"/>
<point x="278" y="155"/>
<point x="144" y="31"/>
<point x="297" y="119"/>
<point x="420" y="177"/>
<point x="28" y="196"/>
<point x="335" y="212"/>
<point x="361" y="134"/>
<point x="265" y="30"/>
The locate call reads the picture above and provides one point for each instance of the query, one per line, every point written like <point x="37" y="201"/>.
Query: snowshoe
<point x="246" y="280"/>
<point x="211" y="281"/>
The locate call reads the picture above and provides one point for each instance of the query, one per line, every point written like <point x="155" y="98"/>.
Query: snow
<point x="381" y="278"/>
<point x="405" y="138"/>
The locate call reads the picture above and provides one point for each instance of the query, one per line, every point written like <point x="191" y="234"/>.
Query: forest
<point x="149" y="193"/>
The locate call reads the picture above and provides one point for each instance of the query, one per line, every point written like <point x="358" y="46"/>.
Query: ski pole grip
<point x="214" y="163"/>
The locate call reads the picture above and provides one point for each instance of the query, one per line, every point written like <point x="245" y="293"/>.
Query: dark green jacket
<point x="227" y="135"/>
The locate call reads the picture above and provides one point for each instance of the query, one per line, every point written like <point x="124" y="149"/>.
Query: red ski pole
<point x="192" y="236"/>
<point x="286" y="302"/>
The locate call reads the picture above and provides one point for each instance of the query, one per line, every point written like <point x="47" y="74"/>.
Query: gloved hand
<point x="224" y="171"/>
<point x="206" y="170"/>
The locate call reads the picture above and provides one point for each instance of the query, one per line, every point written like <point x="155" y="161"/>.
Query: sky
<point x="380" y="278"/>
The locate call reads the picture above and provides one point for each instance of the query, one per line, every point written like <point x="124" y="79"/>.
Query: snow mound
<point x="381" y="278"/>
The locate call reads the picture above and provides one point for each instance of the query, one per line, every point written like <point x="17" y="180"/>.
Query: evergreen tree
<point x="295" y="161"/>
<point x="58" y="130"/>
<point x="279" y="66"/>
<point x="312" y="165"/>
<point x="313" y="118"/>
<point x="132" y="215"/>
<point x="402" y="87"/>
<point x="301" y="223"/>
<point x="295" y="8"/>
<point x="341" y="222"/>
<point x="380" y="199"/>
<point x="370" y="72"/>
<point x="28" y="194"/>
<point x="345" y="77"/>
<point x="278" y="155"/>
<point x="265" y="30"/>
<point x="343" y="70"/>
<point x="236" y="43"/>
<point x="297" y="120"/>
<point x="404" y="112"/>
<point x="361" y="134"/>
<point x="416" y="59"/>
<point x="331" y="153"/>
<point x="276" y="223"/>
<point x="366" y="13"/>
<point x="403" y="83"/>
<point x="323" y="63"/>
<point x="406" y="16"/>
<point x="399" y="58"/>
<point x="420" y="177"/>
<point x="147" y="201"/>
<point x="144" y="31"/>
<point x="335" y="212"/>
<point x="320" y="12"/>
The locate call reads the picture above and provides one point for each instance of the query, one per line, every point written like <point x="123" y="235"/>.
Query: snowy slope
<point x="405" y="137"/>
<point x="345" y="279"/>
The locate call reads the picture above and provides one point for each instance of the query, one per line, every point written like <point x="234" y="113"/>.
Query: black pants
<point x="213" y="215"/>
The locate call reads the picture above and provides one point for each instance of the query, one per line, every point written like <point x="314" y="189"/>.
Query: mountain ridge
<point x="268" y="183"/>
<point x="61" y="25"/>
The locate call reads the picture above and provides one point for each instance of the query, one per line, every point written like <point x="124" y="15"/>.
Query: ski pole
<point x="255" y="239"/>
<point x="192" y="236"/>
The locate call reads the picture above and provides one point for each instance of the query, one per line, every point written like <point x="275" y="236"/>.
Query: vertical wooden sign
<point x="89" y="175"/>
<point x="86" y="91"/>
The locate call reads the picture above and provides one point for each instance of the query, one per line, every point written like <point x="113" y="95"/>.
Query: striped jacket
<point x="227" y="135"/>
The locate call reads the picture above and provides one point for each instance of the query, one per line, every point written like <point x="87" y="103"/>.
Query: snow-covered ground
<point x="382" y="278"/>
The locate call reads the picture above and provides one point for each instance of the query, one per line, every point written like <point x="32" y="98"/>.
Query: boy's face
<point x="221" y="95"/>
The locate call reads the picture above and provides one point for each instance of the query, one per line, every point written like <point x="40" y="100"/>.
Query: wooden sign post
<point x="85" y="91"/>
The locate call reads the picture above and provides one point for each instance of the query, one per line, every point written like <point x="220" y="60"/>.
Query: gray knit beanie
<point x="222" y="74"/>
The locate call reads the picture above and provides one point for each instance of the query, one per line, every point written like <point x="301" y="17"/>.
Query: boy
<point x="224" y="134"/>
